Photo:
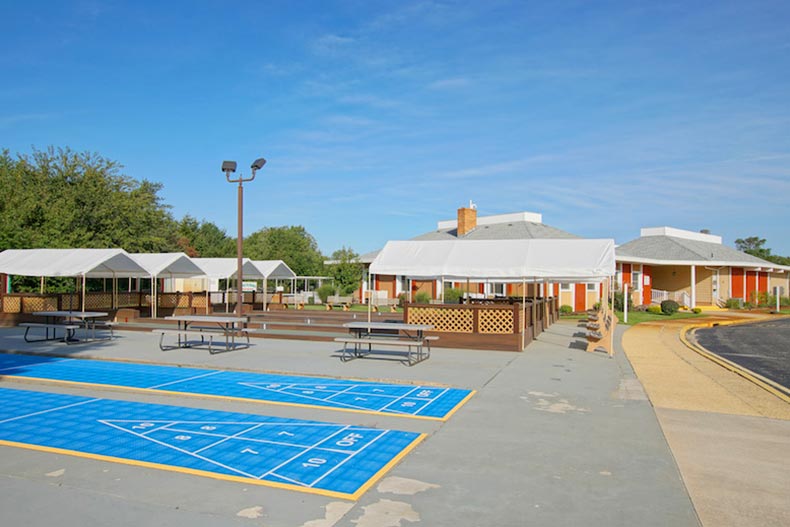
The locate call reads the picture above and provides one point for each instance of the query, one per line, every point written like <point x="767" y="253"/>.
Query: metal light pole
<point x="229" y="167"/>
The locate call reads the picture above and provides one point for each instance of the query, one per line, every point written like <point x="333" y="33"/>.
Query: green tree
<point x="60" y="198"/>
<point x="203" y="239"/>
<point x="753" y="245"/>
<point x="347" y="271"/>
<point x="293" y="245"/>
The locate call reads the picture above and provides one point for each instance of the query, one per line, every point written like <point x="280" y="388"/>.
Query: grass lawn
<point x="635" y="317"/>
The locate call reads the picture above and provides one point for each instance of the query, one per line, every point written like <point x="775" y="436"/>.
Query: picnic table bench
<point x="69" y="322"/>
<point x="363" y="336"/>
<point x="344" y="301"/>
<point x="69" y="329"/>
<point x="225" y="327"/>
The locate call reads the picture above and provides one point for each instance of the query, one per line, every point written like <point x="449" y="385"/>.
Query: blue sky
<point x="380" y="118"/>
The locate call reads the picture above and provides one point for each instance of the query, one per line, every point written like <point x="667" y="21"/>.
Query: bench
<point x="98" y="324"/>
<point x="423" y="347"/>
<point x="68" y="338"/>
<point x="344" y="301"/>
<point x="599" y="332"/>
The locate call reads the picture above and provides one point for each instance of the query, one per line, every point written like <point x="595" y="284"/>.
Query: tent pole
<point x="370" y="296"/>
<point x="83" y="293"/>
<point x="265" y="291"/>
<point x="227" y="300"/>
<point x="523" y="311"/>
<point x="154" y="297"/>
<point x="42" y="285"/>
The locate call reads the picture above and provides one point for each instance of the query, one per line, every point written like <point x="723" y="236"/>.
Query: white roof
<point x="99" y="263"/>
<point x="227" y="267"/>
<point x="170" y="265"/>
<point x="555" y="259"/>
<point x="274" y="269"/>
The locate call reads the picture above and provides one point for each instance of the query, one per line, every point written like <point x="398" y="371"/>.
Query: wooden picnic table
<point x="55" y="320"/>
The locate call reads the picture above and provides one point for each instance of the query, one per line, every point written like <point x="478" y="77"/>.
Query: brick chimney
<point x="467" y="220"/>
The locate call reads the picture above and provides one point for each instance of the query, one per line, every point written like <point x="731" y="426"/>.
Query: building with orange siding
<point x="694" y="269"/>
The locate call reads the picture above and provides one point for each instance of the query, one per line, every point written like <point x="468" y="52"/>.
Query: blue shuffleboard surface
<point x="428" y="402"/>
<point x="324" y="458"/>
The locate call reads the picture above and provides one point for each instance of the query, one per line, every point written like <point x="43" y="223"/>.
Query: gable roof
<point x="99" y="263"/>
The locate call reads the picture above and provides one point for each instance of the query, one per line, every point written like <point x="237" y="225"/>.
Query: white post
<point x="523" y="311"/>
<point x="776" y="292"/>
<point x="265" y="291"/>
<point x="83" y="293"/>
<point x="693" y="287"/>
<point x="611" y="333"/>
<point x="625" y="303"/>
<point x="370" y="295"/>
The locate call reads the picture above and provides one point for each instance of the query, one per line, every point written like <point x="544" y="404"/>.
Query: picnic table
<point x="399" y="334"/>
<point x="206" y="327"/>
<point x="69" y="322"/>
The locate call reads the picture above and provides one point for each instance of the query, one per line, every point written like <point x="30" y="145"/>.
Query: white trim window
<point x="636" y="280"/>
<point x="566" y="286"/>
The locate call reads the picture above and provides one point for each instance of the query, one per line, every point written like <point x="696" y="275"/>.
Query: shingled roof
<point x="667" y="246"/>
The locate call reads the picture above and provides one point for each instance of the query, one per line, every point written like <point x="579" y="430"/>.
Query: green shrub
<point x="350" y="288"/>
<point x="656" y="310"/>
<point x="597" y="306"/>
<point x="566" y="310"/>
<point x="733" y="303"/>
<point x="697" y="310"/>
<point x="422" y="298"/>
<point x="324" y="291"/>
<point x="452" y="295"/>
<point x="402" y="299"/>
<point x="618" y="301"/>
<point x="669" y="307"/>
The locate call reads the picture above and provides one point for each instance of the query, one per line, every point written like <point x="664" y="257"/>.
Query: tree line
<point x="59" y="198"/>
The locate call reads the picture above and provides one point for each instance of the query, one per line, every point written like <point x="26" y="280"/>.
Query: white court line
<point x="184" y="380"/>
<point x="327" y="438"/>
<point x="226" y="438"/>
<point x="50" y="410"/>
<point x="402" y="397"/>
<point x="185" y="452"/>
<point x="336" y="403"/>
<point x="431" y="401"/>
<point x="161" y="426"/>
<point x="382" y="434"/>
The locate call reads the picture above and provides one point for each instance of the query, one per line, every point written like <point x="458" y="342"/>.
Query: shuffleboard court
<point x="323" y="458"/>
<point x="421" y="402"/>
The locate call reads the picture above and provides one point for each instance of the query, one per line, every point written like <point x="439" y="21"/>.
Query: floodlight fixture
<point x="229" y="166"/>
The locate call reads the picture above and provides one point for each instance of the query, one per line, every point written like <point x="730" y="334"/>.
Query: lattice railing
<point x="445" y="320"/>
<point x="98" y="301"/>
<point x="128" y="299"/>
<point x="495" y="321"/>
<point x="12" y="304"/>
<point x="31" y="304"/>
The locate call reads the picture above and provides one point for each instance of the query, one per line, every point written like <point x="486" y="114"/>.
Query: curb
<point x="770" y="386"/>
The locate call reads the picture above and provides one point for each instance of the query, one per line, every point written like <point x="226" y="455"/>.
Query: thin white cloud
<point x="449" y="84"/>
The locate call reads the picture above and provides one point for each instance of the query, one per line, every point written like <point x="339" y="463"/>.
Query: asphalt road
<point x="763" y="348"/>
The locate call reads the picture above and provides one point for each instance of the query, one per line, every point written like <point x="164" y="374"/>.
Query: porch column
<point x="693" y="287"/>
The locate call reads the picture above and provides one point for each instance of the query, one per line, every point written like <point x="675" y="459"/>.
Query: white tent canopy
<point x="223" y="268"/>
<point x="274" y="269"/>
<point x="91" y="263"/>
<point x="170" y="265"/>
<point x="500" y="260"/>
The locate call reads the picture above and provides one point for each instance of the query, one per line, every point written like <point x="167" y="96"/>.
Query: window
<point x="636" y="281"/>
<point x="498" y="289"/>
<point x="565" y="286"/>
<point x="592" y="287"/>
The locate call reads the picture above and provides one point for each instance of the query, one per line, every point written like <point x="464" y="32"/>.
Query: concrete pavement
<point x="554" y="436"/>
<point x="731" y="438"/>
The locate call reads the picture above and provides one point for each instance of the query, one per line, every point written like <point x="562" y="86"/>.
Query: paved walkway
<point x="731" y="438"/>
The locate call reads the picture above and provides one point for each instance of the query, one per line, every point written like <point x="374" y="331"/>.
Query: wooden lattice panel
<point x="495" y="321"/>
<point x="98" y="301"/>
<point x="168" y="300"/>
<point x="70" y="301"/>
<point x="12" y="304"/>
<point x="199" y="301"/>
<point x="31" y="304"/>
<point x="183" y="301"/>
<point x="127" y="299"/>
<point x="444" y="320"/>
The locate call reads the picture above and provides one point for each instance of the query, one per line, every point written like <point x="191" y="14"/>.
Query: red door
<point x="647" y="285"/>
<point x="762" y="282"/>
<point x="751" y="286"/>
<point x="580" y="300"/>
<point x="737" y="283"/>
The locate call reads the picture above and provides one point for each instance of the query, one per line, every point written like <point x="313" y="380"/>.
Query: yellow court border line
<point x="225" y="477"/>
<point x="755" y="378"/>
<point x="231" y="398"/>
